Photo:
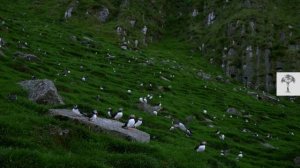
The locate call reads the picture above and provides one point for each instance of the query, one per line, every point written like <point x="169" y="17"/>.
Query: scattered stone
<point x="103" y="14"/>
<point x="232" y="111"/>
<point x="269" y="146"/>
<point x="28" y="57"/>
<point x="297" y="161"/>
<point x="204" y="75"/>
<point x="149" y="108"/>
<point x="106" y="125"/>
<point x="2" y="43"/>
<point x="42" y="91"/>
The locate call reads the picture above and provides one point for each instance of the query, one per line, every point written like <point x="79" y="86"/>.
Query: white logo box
<point x="288" y="83"/>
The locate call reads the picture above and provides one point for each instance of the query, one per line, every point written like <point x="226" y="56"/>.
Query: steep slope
<point x="31" y="138"/>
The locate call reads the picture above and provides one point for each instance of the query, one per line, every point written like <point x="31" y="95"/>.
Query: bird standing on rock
<point x="94" y="116"/>
<point x="139" y="122"/>
<point x="117" y="115"/>
<point x="76" y="110"/>
<point x="130" y="123"/>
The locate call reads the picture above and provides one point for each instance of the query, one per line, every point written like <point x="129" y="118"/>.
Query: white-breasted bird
<point x="139" y="122"/>
<point x="200" y="147"/>
<point x="240" y="155"/>
<point x="76" y="110"/>
<point x="94" y="116"/>
<point x="117" y="115"/>
<point x="130" y="123"/>
<point x="222" y="137"/>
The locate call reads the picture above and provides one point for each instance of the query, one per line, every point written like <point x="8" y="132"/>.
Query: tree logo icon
<point x="287" y="79"/>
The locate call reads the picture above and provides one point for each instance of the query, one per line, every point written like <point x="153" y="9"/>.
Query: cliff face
<point x="249" y="39"/>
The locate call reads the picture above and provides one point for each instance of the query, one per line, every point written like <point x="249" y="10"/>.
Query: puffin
<point x="94" y="116"/>
<point x="240" y="155"/>
<point x="130" y="123"/>
<point x="222" y="137"/>
<point x="76" y="110"/>
<point x="200" y="147"/>
<point x="139" y="122"/>
<point x="117" y="115"/>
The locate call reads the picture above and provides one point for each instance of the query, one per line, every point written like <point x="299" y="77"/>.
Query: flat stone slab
<point x="104" y="124"/>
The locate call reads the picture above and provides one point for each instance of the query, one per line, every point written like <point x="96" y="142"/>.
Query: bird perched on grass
<point x="117" y="115"/>
<point x="200" y="147"/>
<point x="240" y="155"/>
<point x="130" y="123"/>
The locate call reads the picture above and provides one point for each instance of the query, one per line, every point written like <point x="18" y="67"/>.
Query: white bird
<point x="83" y="78"/>
<point x="117" y="115"/>
<point x="129" y="91"/>
<point x="222" y="137"/>
<point x="204" y="111"/>
<point x="130" y="123"/>
<point x="200" y="147"/>
<point x="76" y="110"/>
<point x="240" y="155"/>
<point x="94" y="117"/>
<point x="139" y="122"/>
<point x="155" y="113"/>
<point x="222" y="153"/>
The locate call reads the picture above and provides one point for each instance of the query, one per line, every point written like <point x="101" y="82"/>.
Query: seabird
<point x="222" y="137"/>
<point x="117" y="115"/>
<point x="181" y="126"/>
<point x="130" y="123"/>
<point x="129" y="91"/>
<point x="76" y="110"/>
<point x="139" y="122"/>
<point x="204" y="111"/>
<point x="240" y="155"/>
<point x="200" y="147"/>
<point x="155" y="112"/>
<point x="83" y="78"/>
<point x="94" y="116"/>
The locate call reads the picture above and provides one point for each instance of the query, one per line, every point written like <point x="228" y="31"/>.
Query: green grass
<point x="28" y="136"/>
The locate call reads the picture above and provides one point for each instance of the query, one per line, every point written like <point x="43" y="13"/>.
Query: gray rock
<point x="297" y="161"/>
<point x="149" y="108"/>
<point x="28" y="57"/>
<point x="68" y="12"/>
<point x="269" y="146"/>
<point x="105" y="125"/>
<point x="232" y="111"/>
<point x="2" y="43"/>
<point x="204" y="75"/>
<point x="103" y="14"/>
<point x="42" y="91"/>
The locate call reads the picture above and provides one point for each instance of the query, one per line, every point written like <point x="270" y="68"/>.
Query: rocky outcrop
<point x="42" y="91"/>
<point x="25" y="56"/>
<point x="149" y="108"/>
<point x="232" y="111"/>
<point x="105" y="125"/>
<point x="297" y="161"/>
<point x="103" y="14"/>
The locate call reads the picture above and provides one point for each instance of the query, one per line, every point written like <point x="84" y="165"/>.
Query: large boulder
<point x="42" y="91"/>
<point x="104" y="125"/>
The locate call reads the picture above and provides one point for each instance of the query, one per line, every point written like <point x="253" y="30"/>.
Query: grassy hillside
<point x="30" y="138"/>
